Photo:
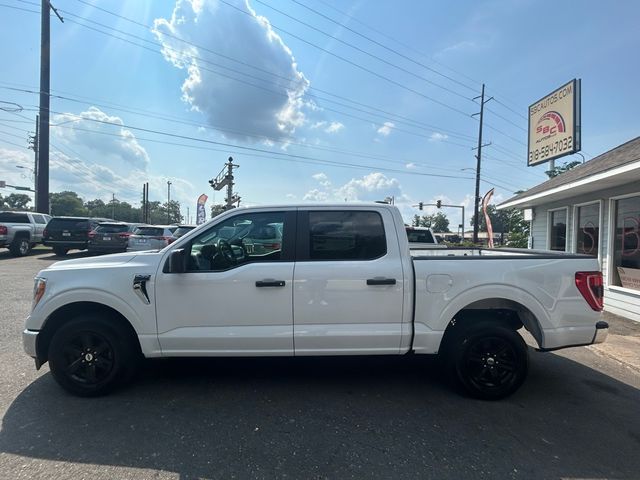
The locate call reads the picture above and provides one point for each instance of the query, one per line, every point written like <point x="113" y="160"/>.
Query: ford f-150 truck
<point x="340" y="280"/>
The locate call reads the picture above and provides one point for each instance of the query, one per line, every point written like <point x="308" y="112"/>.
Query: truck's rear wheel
<point x="490" y="361"/>
<point x="90" y="356"/>
<point x="20" y="247"/>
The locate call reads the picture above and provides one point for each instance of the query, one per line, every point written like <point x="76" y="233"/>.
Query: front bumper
<point x="29" y="340"/>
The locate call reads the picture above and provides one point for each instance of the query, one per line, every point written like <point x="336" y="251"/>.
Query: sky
<point x="316" y="100"/>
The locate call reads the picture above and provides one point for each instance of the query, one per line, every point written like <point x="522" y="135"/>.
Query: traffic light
<point x="420" y="205"/>
<point x="438" y="203"/>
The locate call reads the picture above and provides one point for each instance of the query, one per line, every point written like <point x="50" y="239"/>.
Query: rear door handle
<point x="270" y="283"/>
<point x="381" y="281"/>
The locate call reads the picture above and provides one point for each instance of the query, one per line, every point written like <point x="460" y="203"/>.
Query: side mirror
<point x="177" y="261"/>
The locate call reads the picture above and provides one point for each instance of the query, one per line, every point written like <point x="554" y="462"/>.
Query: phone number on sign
<point x="551" y="149"/>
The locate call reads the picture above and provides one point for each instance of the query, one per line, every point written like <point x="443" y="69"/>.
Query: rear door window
<point x="345" y="235"/>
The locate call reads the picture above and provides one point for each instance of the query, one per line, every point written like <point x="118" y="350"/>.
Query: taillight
<point x="591" y="286"/>
<point x="170" y="240"/>
<point x="91" y="234"/>
<point x="45" y="233"/>
<point x="124" y="235"/>
<point x="3" y="230"/>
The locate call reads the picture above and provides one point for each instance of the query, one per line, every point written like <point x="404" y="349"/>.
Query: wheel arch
<point x="497" y="310"/>
<point x="67" y="312"/>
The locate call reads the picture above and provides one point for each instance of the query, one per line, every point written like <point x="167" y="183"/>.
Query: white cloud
<point x="316" y="195"/>
<point x="334" y="127"/>
<point x="371" y="187"/>
<point x="438" y="137"/>
<point x="249" y="38"/>
<point x="322" y="179"/>
<point x="99" y="135"/>
<point x="411" y="166"/>
<point x="464" y="45"/>
<point x="385" y="129"/>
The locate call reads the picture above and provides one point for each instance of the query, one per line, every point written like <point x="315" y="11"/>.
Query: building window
<point x="588" y="231"/>
<point x="626" y="243"/>
<point x="558" y="230"/>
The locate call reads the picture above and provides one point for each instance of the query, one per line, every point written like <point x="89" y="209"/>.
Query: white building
<point x="594" y="209"/>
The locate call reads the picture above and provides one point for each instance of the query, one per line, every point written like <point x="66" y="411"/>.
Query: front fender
<point x="48" y="306"/>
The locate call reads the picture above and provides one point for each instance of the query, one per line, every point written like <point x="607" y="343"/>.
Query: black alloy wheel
<point x="91" y="357"/>
<point x="491" y="362"/>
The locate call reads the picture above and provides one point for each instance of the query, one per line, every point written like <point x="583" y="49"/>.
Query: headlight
<point x="39" y="287"/>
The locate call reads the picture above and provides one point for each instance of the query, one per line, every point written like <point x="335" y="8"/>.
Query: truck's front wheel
<point x="490" y="361"/>
<point x="90" y="356"/>
<point x="20" y="247"/>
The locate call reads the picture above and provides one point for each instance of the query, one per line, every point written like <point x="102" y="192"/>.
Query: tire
<point x="489" y="361"/>
<point x="60" y="251"/>
<point x="20" y="247"/>
<point x="91" y="355"/>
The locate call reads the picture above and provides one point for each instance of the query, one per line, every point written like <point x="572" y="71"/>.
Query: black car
<point x="111" y="237"/>
<point x="182" y="230"/>
<point x="67" y="233"/>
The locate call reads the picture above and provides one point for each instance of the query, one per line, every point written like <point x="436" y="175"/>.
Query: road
<point x="577" y="416"/>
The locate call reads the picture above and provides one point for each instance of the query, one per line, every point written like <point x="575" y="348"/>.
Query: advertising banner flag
<point x="485" y="202"/>
<point x="201" y="211"/>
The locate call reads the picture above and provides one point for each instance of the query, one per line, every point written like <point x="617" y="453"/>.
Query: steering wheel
<point x="225" y="250"/>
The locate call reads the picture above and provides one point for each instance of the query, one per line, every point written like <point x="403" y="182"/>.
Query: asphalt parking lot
<point x="577" y="416"/>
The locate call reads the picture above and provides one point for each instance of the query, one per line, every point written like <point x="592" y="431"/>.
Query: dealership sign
<point x="554" y="124"/>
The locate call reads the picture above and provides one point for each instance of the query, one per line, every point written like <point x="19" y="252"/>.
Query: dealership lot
<point x="577" y="416"/>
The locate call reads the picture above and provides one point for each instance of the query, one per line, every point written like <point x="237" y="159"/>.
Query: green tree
<point x="17" y="201"/>
<point x="438" y="222"/>
<point x="554" y="172"/>
<point x="67" y="203"/>
<point x="217" y="209"/>
<point x="509" y="221"/>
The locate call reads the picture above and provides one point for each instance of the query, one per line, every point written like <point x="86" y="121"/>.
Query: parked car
<point x="111" y="237"/>
<point x="422" y="237"/>
<point x="263" y="239"/>
<point x="68" y="233"/>
<point x="344" y="282"/>
<point x="20" y="231"/>
<point x="182" y="230"/>
<point x="151" y="237"/>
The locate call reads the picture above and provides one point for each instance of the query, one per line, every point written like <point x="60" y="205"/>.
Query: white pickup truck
<point x="336" y="280"/>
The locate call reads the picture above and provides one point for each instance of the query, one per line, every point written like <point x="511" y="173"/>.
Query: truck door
<point x="236" y="296"/>
<point x="348" y="283"/>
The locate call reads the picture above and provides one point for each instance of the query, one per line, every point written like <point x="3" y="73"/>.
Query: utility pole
<point x="225" y="179"/>
<point x="144" y="206"/>
<point x="42" y="177"/>
<point x="168" y="201"/>
<point x="113" y="206"/>
<point x="33" y="145"/>
<point x="147" y="211"/>
<point x="476" y="203"/>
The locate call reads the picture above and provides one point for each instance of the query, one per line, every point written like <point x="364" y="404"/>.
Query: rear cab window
<point x="13" y="217"/>
<point x="150" y="231"/>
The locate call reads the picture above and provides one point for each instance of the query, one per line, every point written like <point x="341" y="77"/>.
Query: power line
<point x="357" y="65"/>
<point x="402" y="44"/>
<point x="244" y="63"/>
<point x="380" y="59"/>
<point x="148" y="114"/>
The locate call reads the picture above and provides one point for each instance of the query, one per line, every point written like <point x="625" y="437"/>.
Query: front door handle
<point x="269" y="282"/>
<point x="381" y="281"/>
